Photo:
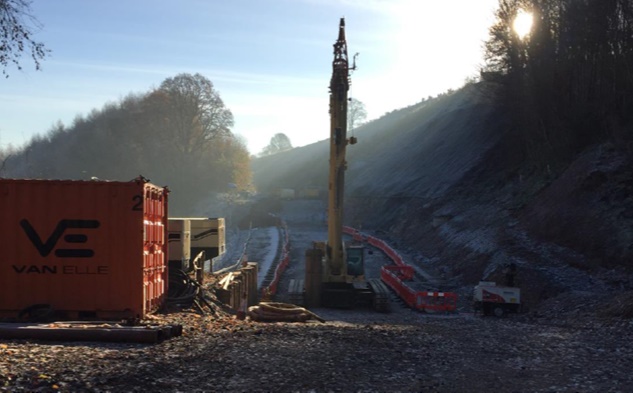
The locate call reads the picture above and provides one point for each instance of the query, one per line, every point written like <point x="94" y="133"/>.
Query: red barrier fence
<point x="396" y="276"/>
<point x="393" y="279"/>
<point x="284" y="259"/>
<point x="436" y="301"/>
<point x="403" y="273"/>
<point x="374" y="241"/>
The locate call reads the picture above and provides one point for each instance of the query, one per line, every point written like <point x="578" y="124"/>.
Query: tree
<point x="234" y="163"/>
<point x="196" y="113"/>
<point x="356" y="114"/>
<point x="4" y="157"/>
<point x="567" y="83"/>
<point x="177" y="135"/>
<point x="278" y="143"/>
<point x="16" y="33"/>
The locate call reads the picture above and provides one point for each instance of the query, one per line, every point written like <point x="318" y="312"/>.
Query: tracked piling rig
<point x="335" y="272"/>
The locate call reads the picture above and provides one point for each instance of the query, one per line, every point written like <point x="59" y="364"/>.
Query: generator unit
<point x="179" y="239"/>
<point x="208" y="235"/>
<point x="204" y="234"/>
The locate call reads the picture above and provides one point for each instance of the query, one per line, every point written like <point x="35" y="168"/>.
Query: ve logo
<point x="45" y="248"/>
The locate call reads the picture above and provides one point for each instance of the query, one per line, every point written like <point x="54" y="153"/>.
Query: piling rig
<point x="335" y="272"/>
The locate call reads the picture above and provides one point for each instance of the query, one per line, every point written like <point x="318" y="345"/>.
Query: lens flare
<point x="523" y="23"/>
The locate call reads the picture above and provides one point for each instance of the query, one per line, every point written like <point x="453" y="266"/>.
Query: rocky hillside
<point x="438" y="180"/>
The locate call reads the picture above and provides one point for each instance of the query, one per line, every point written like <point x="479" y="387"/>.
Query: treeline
<point x="177" y="135"/>
<point x="569" y="82"/>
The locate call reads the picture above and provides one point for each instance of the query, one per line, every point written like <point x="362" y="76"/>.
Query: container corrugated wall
<point x="83" y="248"/>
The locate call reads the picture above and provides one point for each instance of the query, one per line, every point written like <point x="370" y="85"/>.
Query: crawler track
<point x="381" y="295"/>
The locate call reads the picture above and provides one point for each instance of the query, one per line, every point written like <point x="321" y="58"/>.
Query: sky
<point x="270" y="60"/>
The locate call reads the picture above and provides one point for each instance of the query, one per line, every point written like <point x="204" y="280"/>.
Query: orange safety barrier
<point x="436" y="301"/>
<point x="404" y="292"/>
<point x="357" y="235"/>
<point x="395" y="276"/>
<point x="284" y="260"/>
<point x="403" y="273"/>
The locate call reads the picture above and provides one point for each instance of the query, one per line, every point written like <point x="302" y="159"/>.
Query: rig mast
<point x="339" y="86"/>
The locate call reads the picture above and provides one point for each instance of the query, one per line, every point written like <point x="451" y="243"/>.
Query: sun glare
<point x="523" y="23"/>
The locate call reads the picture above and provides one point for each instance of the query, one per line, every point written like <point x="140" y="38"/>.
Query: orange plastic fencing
<point x="284" y="260"/>
<point x="397" y="275"/>
<point x="392" y="279"/>
<point x="436" y="301"/>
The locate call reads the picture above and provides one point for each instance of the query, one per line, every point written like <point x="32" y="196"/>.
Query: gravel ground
<point x="358" y="351"/>
<point x="568" y="346"/>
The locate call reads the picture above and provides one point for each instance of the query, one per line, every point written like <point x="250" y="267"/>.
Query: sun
<point x="523" y="23"/>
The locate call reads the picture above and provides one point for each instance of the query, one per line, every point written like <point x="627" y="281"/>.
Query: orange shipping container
<point x="85" y="249"/>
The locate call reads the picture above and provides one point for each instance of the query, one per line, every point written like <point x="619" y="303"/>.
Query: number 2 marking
<point x="139" y="203"/>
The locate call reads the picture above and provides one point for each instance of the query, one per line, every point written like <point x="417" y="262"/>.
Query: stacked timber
<point x="234" y="287"/>
<point x="252" y="274"/>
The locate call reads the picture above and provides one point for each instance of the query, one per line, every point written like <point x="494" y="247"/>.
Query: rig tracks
<point x="381" y="299"/>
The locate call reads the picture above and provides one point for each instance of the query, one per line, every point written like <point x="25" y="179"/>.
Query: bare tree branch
<point x="17" y="27"/>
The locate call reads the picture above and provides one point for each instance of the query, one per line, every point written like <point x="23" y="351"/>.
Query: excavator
<point x="335" y="272"/>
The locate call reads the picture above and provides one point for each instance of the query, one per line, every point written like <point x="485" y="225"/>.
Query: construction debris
<point x="281" y="312"/>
